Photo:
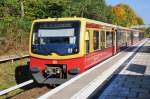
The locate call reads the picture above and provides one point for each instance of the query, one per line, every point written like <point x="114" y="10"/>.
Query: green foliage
<point x="45" y="8"/>
<point x="92" y="9"/>
<point x="15" y="33"/>
<point x="147" y="33"/>
<point x="24" y="24"/>
<point x="9" y="8"/>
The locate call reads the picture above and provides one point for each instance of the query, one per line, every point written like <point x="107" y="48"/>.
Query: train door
<point x="87" y="41"/>
<point x="92" y="41"/>
<point x="114" y="41"/>
<point x="117" y="45"/>
<point x="118" y="40"/>
<point x="109" y="42"/>
<point x="129" y="38"/>
<point x="102" y="39"/>
<point x="131" y="35"/>
<point x="88" y="47"/>
<point x="96" y="46"/>
<point x="141" y="35"/>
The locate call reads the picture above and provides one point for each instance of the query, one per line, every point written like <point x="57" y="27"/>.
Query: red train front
<point x="61" y="48"/>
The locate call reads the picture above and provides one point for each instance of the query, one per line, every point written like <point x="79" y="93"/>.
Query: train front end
<point x="55" y="52"/>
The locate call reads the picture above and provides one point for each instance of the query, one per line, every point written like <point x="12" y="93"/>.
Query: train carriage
<point x="61" y="48"/>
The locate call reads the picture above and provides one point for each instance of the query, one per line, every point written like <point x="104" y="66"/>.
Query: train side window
<point x="122" y="37"/>
<point x="87" y="40"/>
<point x="102" y="39"/>
<point x="109" y="39"/>
<point x="96" y="40"/>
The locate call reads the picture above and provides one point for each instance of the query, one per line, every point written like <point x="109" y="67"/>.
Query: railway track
<point x="32" y="93"/>
<point x="30" y="88"/>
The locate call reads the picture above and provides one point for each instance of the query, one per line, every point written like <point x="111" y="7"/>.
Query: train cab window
<point x="102" y="39"/>
<point x="109" y="39"/>
<point x="60" y="37"/>
<point x="96" y="40"/>
<point x="87" y="40"/>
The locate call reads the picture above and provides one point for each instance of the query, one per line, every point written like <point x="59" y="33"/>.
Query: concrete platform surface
<point x="133" y="82"/>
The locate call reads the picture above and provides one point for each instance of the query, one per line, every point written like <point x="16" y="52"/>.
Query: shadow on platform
<point x="137" y="68"/>
<point x="125" y="86"/>
<point x="135" y="83"/>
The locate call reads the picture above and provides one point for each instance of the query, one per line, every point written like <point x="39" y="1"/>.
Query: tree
<point x="139" y="20"/>
<point x="125" y="16"/>
<point x="22" y="8"/>
<point x="147" y="34"/>
<point x="92" y="9"/>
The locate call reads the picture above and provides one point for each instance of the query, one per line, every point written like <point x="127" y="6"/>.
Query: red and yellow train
<point x="61" y="48"/>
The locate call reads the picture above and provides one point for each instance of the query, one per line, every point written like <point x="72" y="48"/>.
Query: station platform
<point x="133" y="64"/>
<point x="133" y="82"/>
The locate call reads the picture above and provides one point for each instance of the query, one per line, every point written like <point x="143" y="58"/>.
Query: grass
<point x="12" y="74"/>
<point x="9" y="95"/>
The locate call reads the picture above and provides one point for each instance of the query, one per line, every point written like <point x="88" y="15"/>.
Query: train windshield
<point x="60" y="37"/>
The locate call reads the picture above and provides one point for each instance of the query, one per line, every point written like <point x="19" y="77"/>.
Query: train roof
<point x="87" y="20"/>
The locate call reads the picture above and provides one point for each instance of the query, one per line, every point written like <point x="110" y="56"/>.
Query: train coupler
<point x="39" y="78"/>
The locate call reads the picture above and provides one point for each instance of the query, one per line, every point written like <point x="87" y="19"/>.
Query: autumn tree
<point x="125" y="16"/>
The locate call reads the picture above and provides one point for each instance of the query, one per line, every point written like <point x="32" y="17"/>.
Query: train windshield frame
<point x="60" y="37"/>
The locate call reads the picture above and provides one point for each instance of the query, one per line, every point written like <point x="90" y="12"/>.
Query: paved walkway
<point x="133" y="82"/>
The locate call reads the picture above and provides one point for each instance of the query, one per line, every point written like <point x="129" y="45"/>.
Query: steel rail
<point x="16" y="87"/>
<point x="11" y="58"/>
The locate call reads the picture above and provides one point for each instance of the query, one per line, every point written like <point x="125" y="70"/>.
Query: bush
<point x="24" y="24"/>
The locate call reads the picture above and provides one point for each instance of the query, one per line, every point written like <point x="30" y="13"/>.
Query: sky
<point x="141" y="7"/>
